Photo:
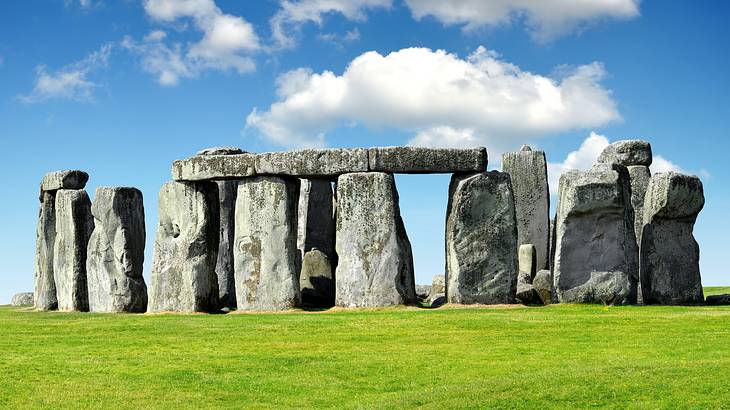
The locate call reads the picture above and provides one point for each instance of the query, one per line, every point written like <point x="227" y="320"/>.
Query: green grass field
<point x="500" y="357"/>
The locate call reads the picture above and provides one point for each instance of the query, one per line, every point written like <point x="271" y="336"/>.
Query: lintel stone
<point x="420" y="160"/>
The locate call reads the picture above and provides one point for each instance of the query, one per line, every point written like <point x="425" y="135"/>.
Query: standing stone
<point x="438" y="284"/>
<point x="528" y="172"/>
<point x="116" y="252"/>
<point x="670" y="271"/>
<point x="185" y="248"/>
<point x="227" y="192"/>
<point x="639" y="176"/>
<point x="265" y="253"/>
<point x="45" y="283"/>
<point x="317" y="280"/>
<point x="375" y="265"/>
<point x="595" y="244"/>
<point x="543" y="285"/>
<point x="481" y="239"/>
<point x="316" y="218"/>
<point x="74" y="225"/>
<point x="527" y="258"/>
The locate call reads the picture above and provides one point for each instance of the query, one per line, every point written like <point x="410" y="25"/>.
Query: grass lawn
<point x="557" y="356"/>
<point x="716" y="290"/>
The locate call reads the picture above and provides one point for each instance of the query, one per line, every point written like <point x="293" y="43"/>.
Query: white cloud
<point x="226" y="44"/>
<point x="581" y="159"/>
<point x="70" y="82"/>
<point x="661" y="164"/>
<point x="445" y="100"/>
<point x="546" y="19"/>
<point x="295" y="13"/>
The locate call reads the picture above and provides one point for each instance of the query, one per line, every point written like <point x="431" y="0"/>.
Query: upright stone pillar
<point x="528" y="172"/>
<point x="116" y="252"/>
<point x="74" y="225"/>
<point x="316" y="231"/>
<point x="595" y="244"/>
<point x="266" y="268"/>
<point x="185" y="249"/>
<point x="670" y="271"/>
<point x="481" y="239"/>
<point x="45" y="284"/>
<point x="527" y="262"/>
<point x="375" y="262"/>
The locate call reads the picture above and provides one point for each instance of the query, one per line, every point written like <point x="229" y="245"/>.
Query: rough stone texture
<point x="317" y="281"/>
<point x="70" y="179"/>
<point x="116" y="252"/>
<point x="74" y="224"/>
<point x="527" y="260"/>
<point x="221" y="151"/>
<point x="528" y="295"/>
<point x="185" y="248"/>
<point x="627" y="153"/>
<point x="595" y="246"/>
<point x="227" y="193"/>
<point x="22" y="299"/>
<point x="528" y="172"/>
<point x="265" y="253"/>
<point x="419" y="160"/>
<point x="316" y="220"/>
<point x="313" y="162"/>
<point x="213" y="167"/>
<point x="552" y="242"/>
<point x="437" y="300"/>
<point x="423" y="291"/>
<point x="375" y="266"/>
<point x="481" y="239"/>
<point x="639" y="176"/>
<point x="670" y="271"/>
<point x="45" y="283"/>
<point x="543" y="285"/>
<point x="438" y="284"/>
<point x="718" y="300"/>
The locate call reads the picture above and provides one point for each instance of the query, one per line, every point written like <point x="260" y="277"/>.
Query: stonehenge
<point x="323" y="227"/>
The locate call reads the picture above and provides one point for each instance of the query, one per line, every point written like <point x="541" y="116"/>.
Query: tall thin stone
<point x="228" y="192"/>
<point x="316" y="223"/>
<point x="45" y="284"/>
<point x="185" y="249"/>
<point x="481" y="239"/>
<point x="74" y="224"/>
<point x="528" y="172"/>
<point x="116" y="252"/>
<point x="639" y="176"/>
<point x="527" y="259"/>
<point x="375" y="261"/>
<point x="266" y="268"/>
<point x="670" y="271"/>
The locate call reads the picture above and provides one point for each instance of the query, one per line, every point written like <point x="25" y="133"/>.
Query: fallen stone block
<point x="214" y="167"/>
<point x="69" y="179"/>
<point x="420" y="160"/>
<point x="627" y="153"/>
<point x="528" y="295"/>
<point x="45" y="283"/>
<point x="22" y="299"/>
<point x="718" y="300"/>
<point x="543" y="285"/>
<point x="317" y="281"/>
<point x="322" y="163"/>
<point x="481" y="240"/>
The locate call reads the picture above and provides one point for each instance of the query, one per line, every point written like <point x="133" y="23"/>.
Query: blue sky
<point x="122" y="88"/>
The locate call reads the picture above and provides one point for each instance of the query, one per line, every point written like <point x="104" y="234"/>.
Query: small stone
<point x="375" y="266"/>
<point x="185" y="249"/>
<point x="543" y="285"/>
<point x="74" y="224"/>
<point x="438" y="284"/>
<point x="420" y="160"/>
<point x="70" y="179"/>
<point x="437" y="300"/>
<point x="322" y="163"/>
<point x="627" y="153"/>
<point x="22" y="299"/>
<point x="45" y="283"/>
<point x="718" y="300"/>
<point x="527" y="261"/>
<point x="221" y="151"/>
<point x="317" y="281"/>
<point x="214" y="167"/>
<point x="423" y="291"/>
<point x="527" y="295"/>
<point x="265" y="253"/>
<point x="116" y="252"/>
<point x="481" y="239"/>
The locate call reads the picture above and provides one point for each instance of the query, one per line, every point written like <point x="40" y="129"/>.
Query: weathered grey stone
<point x="528" y="173"/>
<point x="718" y="300"/>
<point x="423" y="291"/>
<point x="481" y="239"/>
<point x="220" y="151"/>
<point x="227" y="192"/>
<point x="543" y="285"/>
<point x="317" y="281"/>
<point x="375" y="266"/>
<point x="527" y="260"/>
<point x="313" y="162"/>
<point x="527" y="294"/>
<point x="670" y="271"/>
<point x="627" y="153"/>
<point x="552" y="241"/>
<point x="22" y="299"/>
<point x="265" y="253"/>
<point x="185" y="248"/>
<point x="595" y="246"/>
<point x="69" y="179"/>
<point x="214" y="167"/>
<point x="437" y="300"/>
<point x="438" y="284"/>
<point x="116" y="252"/>
<point x="45" y="283"/>
<point x="74" y="225"/>
<point x="420" y="160"/>
<point x="639" y="176"/>
<point x="316" y="218"/>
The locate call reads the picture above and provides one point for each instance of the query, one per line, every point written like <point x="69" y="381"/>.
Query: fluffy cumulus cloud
<point x="287" y="22"/>
<point x="442" y="99"/>
<point x="546" y="19"/>
<point x="70" y="82"/>
<point x="226" y="44"/>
